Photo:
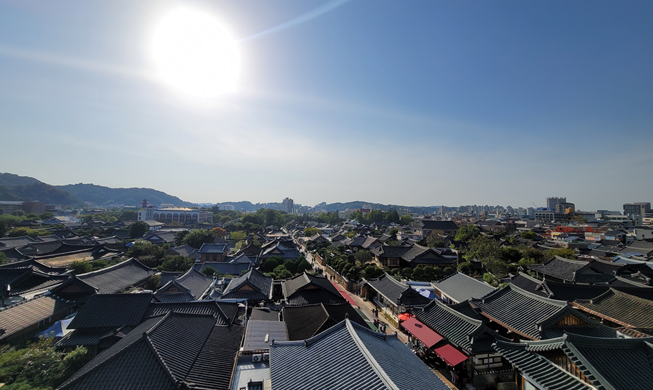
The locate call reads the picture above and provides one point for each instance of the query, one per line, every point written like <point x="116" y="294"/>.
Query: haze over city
<point x="412" y="103"/>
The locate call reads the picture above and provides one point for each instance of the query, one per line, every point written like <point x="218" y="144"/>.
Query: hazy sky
<point x="419" y="102"/>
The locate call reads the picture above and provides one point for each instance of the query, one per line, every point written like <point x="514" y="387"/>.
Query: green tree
<point x="529" y="235"/>
<point x="79" y="267"/>
<point x="449" y="270"/>
<point x="435" y="240"/>
<point x="138" y="229"/>
<point x="467" y="233"/>
<point x="209" y="271"/>
<point x="3" y="258"/>
<point x="303" y="265"/>
<point x="176" y="264"/>
<point x="141" y="248"/>
<point x="465" y="268"/>
<point x="281" y="272"/>
<point x="198" y="237"/>
<point x="418" y="273"/>
<point x="392" y="217"/>
<point x="310" y="232"/>
<point x="363" y="256"/>
<point x="406" y="219"/>
<point x="490" y="279"/>
<point x="510" y="255"/>
<point x="128" y="215"/>
<point x="269" y="265"/>
<point x="238" y="235"/>
<point x="567" y="253"/>
<point x="438" y="273"/>
<point x="407" y="272"/>
<point x="428" y="273"/>
<point x="290" y="266"/>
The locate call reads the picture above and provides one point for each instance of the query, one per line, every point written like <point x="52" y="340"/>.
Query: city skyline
<point x="421" y="103"/>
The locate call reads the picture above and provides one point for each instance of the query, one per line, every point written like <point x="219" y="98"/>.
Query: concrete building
<point x="551" y="203"/>
<point x="637" y="208"/>
<point x="287" y="205"/>
<point x="175" y="214"/>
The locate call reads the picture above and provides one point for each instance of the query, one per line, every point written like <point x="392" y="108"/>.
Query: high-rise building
<point x="637" y="208"/>
<point x="287" y="205"/>
<point x="551" y="203"/>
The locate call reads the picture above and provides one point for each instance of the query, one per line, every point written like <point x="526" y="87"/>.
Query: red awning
<point x="451" y="355"/>
<point x="423" y="333"/>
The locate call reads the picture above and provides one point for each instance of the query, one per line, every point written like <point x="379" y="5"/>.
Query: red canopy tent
<point x="422" y="332"/>
<point x="450" y="355"/>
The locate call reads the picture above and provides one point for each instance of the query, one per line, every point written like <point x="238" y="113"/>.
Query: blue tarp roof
<point x="57" y="330"/>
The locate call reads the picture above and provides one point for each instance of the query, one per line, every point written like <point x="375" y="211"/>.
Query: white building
<point x="175" y="214"/>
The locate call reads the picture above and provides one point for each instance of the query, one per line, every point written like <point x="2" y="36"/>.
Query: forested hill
<point x="39" y="191"/>
<point x="11" y="180"/>
<point x="99" y="195"/>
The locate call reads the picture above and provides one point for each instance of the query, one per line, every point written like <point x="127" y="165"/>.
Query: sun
<point x="195" y="53"/>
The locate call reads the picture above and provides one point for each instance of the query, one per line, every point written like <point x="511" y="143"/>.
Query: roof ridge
<point x="158" y="356"/>
<point x="369" y="357"/>
<point x="113" y="267"/>
<point x="456" y="313"/>
<point x="554" y="302"/>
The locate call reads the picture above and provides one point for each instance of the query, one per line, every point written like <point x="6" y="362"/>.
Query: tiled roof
<point x="117" y="277"/>
<point x="264" y="314"/>
<point x="259" y="334"/>
<point x="465" y="332"/>
<point x="559" y="267"/>
<point x="193" y="282"/>
<point x="15" y="318"/>
<point x="397" y="292"/>
<point x="112" y="311"/>
<point x="36" y="265"/>
<point x="348" y="356"/>
<point x="171" y="352"/>
<point x="537" y="369"/>
<point x="438" y="225"/>
<point x="307" y="289"/>
<point x="461" y="287"/>
<point x="306" y="321"/>
<point x="530" y="284"/>
<point x="533" y="316"/>
<point x="621" y="308"/>
<point x="224" y="312"/>
<point x="224" y="268"/>
<point x="611" y="363"/>
<point x="81" y="337"/>
<point x="259" y="286"/>
<point x="214" y="248"/>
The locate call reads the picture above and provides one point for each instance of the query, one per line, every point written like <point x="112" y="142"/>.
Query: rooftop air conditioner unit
<point x="256" y="358"/>
<point x="266" y="357"/>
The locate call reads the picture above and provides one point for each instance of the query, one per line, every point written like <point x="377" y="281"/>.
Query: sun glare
<point x="195" y="54"/>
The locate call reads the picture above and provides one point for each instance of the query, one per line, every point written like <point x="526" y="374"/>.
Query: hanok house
<point x="28" y="317"/>
<point x="191" y="286"/>
<point x="213" y="252"/>
<point x="21" y="283"/>
<point x="619" y="309"/>
<point x="107" y="318"/>
<point x="518" y="314"/>
<point x="119" y="277"/>
<point x="393" y="296"/>
<point x="459" y="287"/>
<point x="577" y="362"/>
<point x="457" y="337"/>
<point x="412" y="256"/>
<point x="348" y="356"/>
<point x="174" y="351"/>
<point x="427" y="226"/>
<point x="306" y="321"/>
<point x="306" y="289"/>
<point x="252" y="286"/>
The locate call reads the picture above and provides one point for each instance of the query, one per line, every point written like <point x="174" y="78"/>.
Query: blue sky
<point x="421" y="102"/>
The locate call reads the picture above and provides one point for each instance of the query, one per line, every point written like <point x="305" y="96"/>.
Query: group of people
<point x="378" y="324"/>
